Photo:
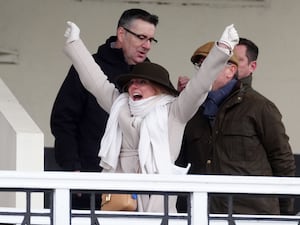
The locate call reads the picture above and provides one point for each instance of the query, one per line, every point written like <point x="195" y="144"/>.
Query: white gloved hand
<point x="230" y="37"/>
<point x="72" y="32"/>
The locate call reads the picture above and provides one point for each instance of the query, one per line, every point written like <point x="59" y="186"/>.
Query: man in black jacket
<point x="77" y="121"/>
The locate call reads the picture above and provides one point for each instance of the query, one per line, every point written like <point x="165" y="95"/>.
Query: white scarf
<point x="111" y="141"/>
<point x="154" y="150"/>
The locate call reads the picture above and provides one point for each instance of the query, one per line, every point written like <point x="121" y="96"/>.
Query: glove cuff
<point x="226" y="47"/>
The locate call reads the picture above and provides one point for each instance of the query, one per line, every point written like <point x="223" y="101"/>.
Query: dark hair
<point x="133" y="14"/>
<point x="251" y="49"/>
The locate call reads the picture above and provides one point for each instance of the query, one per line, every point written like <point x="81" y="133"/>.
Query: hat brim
<point x="122" y="82"/>
<point x="196" y="58"/>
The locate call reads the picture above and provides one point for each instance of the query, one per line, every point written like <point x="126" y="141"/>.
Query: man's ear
<point x="252" y="66"/>
<point x="120" y="34"/>
<point x="233" y="70"/>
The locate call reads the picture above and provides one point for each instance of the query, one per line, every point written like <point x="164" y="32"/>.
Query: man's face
<point x="224" y="76"/>
<point x="245" y="67"/>
<point x="136" y="41"/>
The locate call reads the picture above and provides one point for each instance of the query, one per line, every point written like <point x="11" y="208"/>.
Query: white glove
<point x="72" y="32"/>
<point x="230" y="37"/>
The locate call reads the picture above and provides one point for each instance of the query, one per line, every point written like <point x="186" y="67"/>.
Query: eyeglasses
<point x="141" y="37"/>
<point x="198" y="64"/>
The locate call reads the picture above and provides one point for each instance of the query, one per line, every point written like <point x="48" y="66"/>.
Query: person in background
<point x="77" y="122"/>
<point x="237" y="131"/>
<point x="147" y="117"/>
<point x="247" y="53"/>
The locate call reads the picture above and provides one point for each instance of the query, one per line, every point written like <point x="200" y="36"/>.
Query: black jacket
<point x="77" y="121"/>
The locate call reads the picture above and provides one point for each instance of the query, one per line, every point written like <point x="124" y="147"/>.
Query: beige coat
<point x="180" y="111"/>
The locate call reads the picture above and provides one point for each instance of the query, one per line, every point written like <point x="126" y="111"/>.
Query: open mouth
<point x="137" y="96"/>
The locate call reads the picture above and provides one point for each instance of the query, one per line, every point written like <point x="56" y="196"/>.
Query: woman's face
<point x="140" y="89"/>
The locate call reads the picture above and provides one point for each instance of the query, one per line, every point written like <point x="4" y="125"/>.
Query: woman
<point x="147" y="119"/>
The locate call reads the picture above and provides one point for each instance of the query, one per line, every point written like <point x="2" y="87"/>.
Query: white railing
<point x="61" y="183"/>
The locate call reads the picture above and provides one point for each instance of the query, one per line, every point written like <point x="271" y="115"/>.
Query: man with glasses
<point x="77" y="121"/>
<point x="237" y="131"/>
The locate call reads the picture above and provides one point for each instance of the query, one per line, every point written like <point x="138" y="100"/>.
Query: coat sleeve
<point x="278" y="149"/>
<point x="91" y="75"/>
<point x="276" y="141"/>
<point x="195" y="92"/>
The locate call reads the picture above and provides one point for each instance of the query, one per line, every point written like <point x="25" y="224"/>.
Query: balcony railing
<point x="59" y="186"/>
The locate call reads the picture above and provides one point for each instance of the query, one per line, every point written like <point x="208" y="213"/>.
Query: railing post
<point x="199" y="213"/>
<point x="61" y="207"/>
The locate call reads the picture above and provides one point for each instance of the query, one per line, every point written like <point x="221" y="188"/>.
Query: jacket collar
<point x="237" y="94"/>
<point x="247" y="81"/>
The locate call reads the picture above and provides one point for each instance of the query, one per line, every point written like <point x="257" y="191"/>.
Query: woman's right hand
<point x="72" y="32"/>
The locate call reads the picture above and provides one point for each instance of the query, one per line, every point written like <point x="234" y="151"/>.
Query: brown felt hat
<point x="148" y="71"/>
<point x="203" y="51"/>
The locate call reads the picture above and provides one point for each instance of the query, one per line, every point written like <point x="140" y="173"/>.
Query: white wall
<point x="21" y="144"/>
<point x="35" y="28"/>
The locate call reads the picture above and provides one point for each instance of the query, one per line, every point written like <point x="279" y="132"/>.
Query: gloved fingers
<point x="72" y="32"/>
<point x="67" y="32"/>
<point x="230" y="37"/>
<point x="233" y="33"/>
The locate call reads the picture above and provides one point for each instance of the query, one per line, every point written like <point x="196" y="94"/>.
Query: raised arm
<point x="198" y="87"/>
<point x="91" y="75"/>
